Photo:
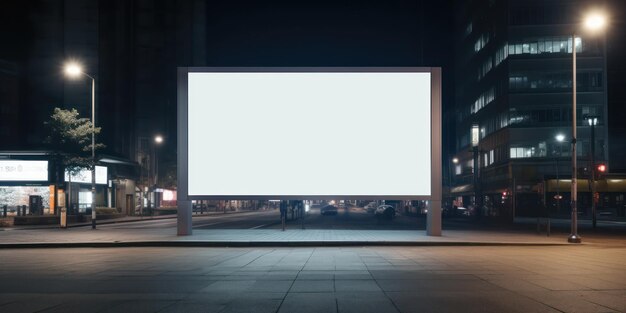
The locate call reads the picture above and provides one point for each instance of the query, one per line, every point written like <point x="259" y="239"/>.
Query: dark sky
<point x="329" y="33"/>
<point x="341" y="33"/>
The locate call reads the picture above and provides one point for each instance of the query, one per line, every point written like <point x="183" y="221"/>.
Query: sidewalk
<point x="142" y="237"/>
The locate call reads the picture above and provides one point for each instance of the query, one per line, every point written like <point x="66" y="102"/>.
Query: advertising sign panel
<point x="22" y="170"/>
<point x="303" y="133"/>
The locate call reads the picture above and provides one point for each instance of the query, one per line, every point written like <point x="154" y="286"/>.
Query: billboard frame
<point x="435" y="138"/>
<point x="435" y="197"/>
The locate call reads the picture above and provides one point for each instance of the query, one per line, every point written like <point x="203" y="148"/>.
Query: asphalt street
<point x="346" y="218"/>
<point x="356" y="218"/>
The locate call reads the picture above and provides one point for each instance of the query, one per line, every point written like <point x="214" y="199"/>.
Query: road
<point x="348" y="218"/>
<point x="357" y="218"/>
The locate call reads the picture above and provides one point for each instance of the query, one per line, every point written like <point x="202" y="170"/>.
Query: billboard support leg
<point x="184" y="218"/>
<point x="433" y="218"/>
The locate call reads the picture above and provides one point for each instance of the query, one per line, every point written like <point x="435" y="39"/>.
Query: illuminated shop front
<point x="32" y="182"/>
<point x="81" y="189"/>
<point x="23" y="182"/>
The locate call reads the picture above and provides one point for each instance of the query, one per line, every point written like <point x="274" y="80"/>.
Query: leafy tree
<point x="70" y="140"/>
<point x="169" y="179"/>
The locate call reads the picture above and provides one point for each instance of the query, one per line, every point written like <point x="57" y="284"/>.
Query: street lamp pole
<point x="158" y="140"/>
<point x="574" y="237"/>
<point x="593" y="22"/>
<point x="559" y="139"/>
<point x="93" y="152"/>
<point x="593" y="120"/>
<point x="74" y="70"/>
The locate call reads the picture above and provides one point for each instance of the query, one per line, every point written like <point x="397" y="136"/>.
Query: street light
<point x="559" y="139"/>
<point x="594" y="22"/>
<point x="74" y="70"/>
<point x="593" y="121"/>
<point x="158" y="139"/>
<point x="454" y="160"/>
<point x="154" y="171"/>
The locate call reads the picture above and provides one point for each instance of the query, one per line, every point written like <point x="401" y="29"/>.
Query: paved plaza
<point x="131" y="236"/>
<point x="578" y="278"/>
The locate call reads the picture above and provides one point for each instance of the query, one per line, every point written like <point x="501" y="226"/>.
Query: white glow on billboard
<point x="84" y="176"/>
<point x="21" y="170"/>
<point x="309" y="134"/>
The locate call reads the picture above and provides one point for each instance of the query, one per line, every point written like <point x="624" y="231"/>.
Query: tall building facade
<point x="131" y="48"/>
<point x="514" y="99"/>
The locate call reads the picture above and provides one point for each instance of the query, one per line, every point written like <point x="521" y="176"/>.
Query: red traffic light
<point x="601" y="168"/>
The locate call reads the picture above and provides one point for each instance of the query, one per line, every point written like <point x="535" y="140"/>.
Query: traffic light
<point x="600" y="171"/>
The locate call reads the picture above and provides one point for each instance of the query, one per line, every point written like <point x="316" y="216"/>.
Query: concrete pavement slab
<point x="146" y="237"/>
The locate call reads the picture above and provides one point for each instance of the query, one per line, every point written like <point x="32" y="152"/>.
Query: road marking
<point x="255" y="227"/>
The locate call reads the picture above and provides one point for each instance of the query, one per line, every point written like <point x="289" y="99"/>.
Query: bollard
<point x="24" y="210"/>
<point x="63" y="218"/>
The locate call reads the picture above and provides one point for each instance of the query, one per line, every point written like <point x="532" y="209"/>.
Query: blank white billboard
<point x="309" y="134"/>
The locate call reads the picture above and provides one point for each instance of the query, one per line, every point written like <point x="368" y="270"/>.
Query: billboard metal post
<point x="182" y="201"/>
<point x="433" y="217"/>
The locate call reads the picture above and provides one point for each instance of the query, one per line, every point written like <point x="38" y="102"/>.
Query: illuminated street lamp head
<point x="560" y="137"/>
<point x="592" y="121"/>
<point x="595" y="21"/>
<point x="158" y="139"/>
<point x="455" y="160"/>
<point x="73" y="69"/>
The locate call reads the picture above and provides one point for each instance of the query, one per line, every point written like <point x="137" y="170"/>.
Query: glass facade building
<point x="514" y="81"/>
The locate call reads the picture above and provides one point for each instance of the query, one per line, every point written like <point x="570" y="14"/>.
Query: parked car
<point x="370" y="207"/>
<point x="385" y="211"/>
<point x="329" y="209"/>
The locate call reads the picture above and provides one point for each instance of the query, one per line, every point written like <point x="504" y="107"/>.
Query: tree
<point x="70" y="140"/>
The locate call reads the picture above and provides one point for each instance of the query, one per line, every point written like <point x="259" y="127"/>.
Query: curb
<point x="277" y="244"/>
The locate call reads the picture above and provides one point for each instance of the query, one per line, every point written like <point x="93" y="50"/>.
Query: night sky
<point x="339" y="33"/>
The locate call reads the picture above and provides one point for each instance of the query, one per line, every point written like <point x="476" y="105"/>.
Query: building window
<point x="502" y="54"/>
<point x="482" y="100"/>
<point x="546" y="81"/>
<point x="481" y="42"/>
<point x="547" y="45"/>
<point x="458" y="169"/>
<point x="468" y="29"/>
<point x="528" y="151"/>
